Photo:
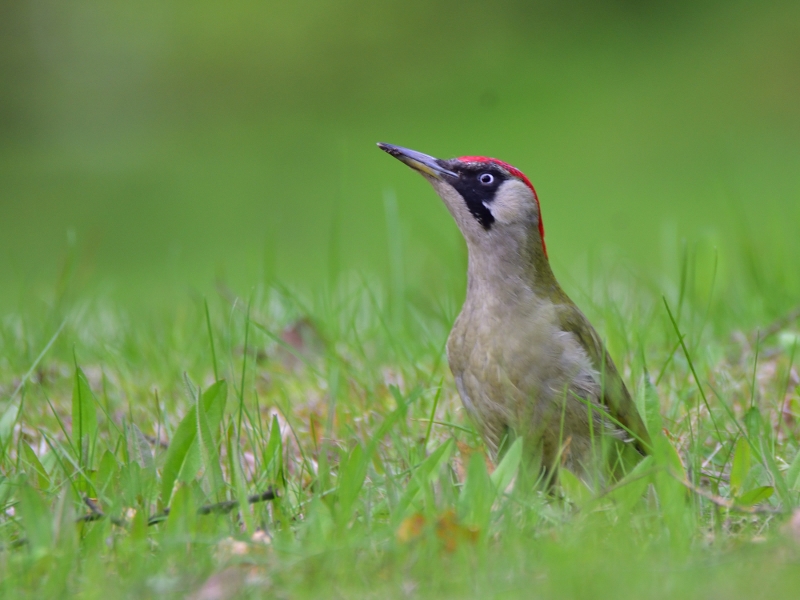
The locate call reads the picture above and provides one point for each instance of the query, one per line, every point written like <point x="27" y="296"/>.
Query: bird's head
<point x="492" y="202"/>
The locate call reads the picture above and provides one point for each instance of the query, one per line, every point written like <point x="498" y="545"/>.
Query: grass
<point x="341" y="402"/>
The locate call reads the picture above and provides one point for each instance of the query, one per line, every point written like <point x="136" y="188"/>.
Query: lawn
<point x="132" y="439"/>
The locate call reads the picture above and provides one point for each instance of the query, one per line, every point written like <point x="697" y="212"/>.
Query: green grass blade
<point x="183" y="458"/>
<point x="36" y="518"/>
<point x="351" y="481"/>
<point x="84" y="417"/>
<point x="208" y="449"/>
<point x="740" y="467"/>
<point x="211" y="340"/>
<point x="507" y="469"/>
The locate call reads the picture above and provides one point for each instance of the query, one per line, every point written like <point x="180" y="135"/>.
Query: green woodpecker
<point x="526" y="361"/>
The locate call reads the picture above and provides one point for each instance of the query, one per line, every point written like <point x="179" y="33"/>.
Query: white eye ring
<point x="486" y="179"/>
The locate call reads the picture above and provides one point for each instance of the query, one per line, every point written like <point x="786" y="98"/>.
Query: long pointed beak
<point x="418" y="161"/>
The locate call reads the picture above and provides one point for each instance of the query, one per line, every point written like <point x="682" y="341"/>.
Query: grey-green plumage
<point x="525" y="359"/>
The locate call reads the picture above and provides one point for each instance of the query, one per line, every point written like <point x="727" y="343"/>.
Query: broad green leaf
<point x="208" y="448"/>
<point x="183" y="455"/>
<point x="235" y="460"/>
<point x="7" y="488"/>
<point x="507" y="469"/>
<point x="644" y="465"/>
<point x="192" y="466"/>
<point x="273" y="454"/>
<point x="7" y="422"/>
<point x="319" y="525"/>
<point x="139" y="448"/>
<point x="38" y="469"/>
<point x="138" y="528"/>
<point x="84" y="416"/>
<point x="477" y="495"/>
<point x="741" y="466"/>
<point x="778" y="479"/>
<point x="652" y="408"/>
<point x="106" y="471"/>
<point x="132" y="482"/>
<point x="182" y="514"/>
<point x="179" y="448"/>
<point x="35" y="517"/>
<point x="755" y="496"/>
<point x="628" y="492"/>
<point x="666" y="454"/>
<point x="793" y="473"/>
<point x="675" y="513"/>
<point x="351" y="480"/>
<point x="574" y="489"/>
<point x="94" y="537"/>
<point x="65" y="534"/>
<point x="753" y="423"/>
<point x="214" y="399"/>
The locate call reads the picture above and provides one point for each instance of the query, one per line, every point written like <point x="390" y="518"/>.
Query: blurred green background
<point x="164" y="144"/>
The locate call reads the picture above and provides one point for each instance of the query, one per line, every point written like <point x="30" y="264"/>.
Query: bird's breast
<point x="504" y="354"/>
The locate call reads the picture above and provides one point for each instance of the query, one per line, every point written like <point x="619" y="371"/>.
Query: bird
<point x="525" y="359"/>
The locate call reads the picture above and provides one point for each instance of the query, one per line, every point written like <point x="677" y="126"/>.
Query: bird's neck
<point x="509" y="270"/>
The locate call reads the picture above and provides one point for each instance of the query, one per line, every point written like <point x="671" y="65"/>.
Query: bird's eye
<point x="486" y="178"/>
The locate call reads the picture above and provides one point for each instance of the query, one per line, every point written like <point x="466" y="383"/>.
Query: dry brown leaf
<point x="452" y="533"/>
<point x="466" y="451"/>
<point x="411" y="528"/>
<point x="449" y="531"/>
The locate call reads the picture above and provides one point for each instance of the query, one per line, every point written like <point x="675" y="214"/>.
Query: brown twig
<point x="728" y="504"/>
<point x="96" y="512"/>
<point x="219" y="507"/>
